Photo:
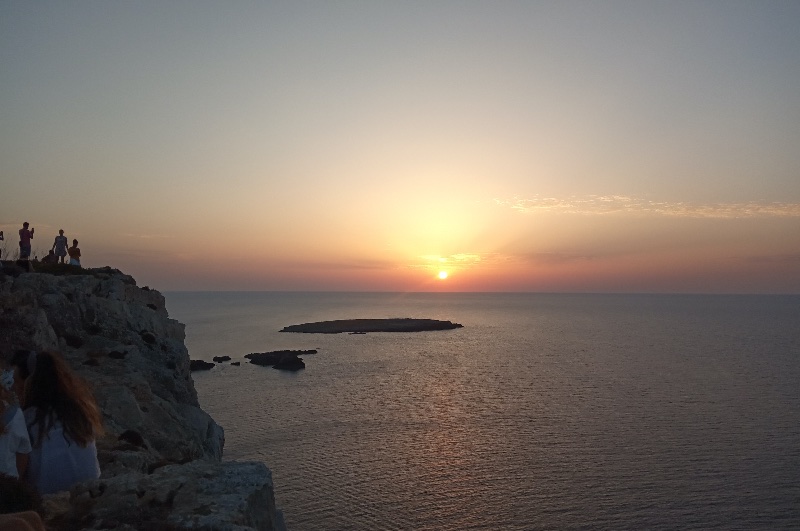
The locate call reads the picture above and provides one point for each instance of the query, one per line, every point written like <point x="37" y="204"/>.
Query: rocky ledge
<point x="362" y="326"/>
<point x="161" y="456"/>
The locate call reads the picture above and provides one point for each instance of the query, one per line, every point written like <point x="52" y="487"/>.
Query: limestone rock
<point x="198" y="495"/>
<point x="120" y="338"/>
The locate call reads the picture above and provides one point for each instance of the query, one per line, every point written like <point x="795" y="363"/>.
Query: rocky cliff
<point x="161" y="457"/>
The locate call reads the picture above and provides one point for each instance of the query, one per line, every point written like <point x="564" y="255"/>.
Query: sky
<point x="570" y="146"/>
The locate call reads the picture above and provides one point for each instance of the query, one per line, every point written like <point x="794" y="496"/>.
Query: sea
<point x="545" y="411"/>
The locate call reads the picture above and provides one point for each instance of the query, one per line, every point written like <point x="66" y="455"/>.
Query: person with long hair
<point x="63" y="421"/>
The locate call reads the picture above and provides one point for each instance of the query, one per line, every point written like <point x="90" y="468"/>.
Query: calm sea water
<point x="543" y="412"/>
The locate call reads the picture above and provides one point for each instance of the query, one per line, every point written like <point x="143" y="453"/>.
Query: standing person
<point x="74" y="254"/>
<point x="63" y="421"/>
<point x="60" y="246"/>
<point x="14" y="442"/>
<point x="25" y="237"/>
<point x="1" y="239"/>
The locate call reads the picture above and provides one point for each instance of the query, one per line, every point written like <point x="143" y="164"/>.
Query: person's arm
<point x="22" y="464"/>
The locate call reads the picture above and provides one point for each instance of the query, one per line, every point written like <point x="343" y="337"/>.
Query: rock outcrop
<point x="287" y="360"/>
<point x="120" y="338"/>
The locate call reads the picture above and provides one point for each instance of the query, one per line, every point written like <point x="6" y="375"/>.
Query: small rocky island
<point x="362" y="326"/>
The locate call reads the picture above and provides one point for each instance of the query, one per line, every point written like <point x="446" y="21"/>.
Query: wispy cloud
<point x="458" y="260"/>
<point x="146" y="236"/>
<point x="596" y="205"/>
<point x="556" y="257"/>
<point x="787" y="259"/>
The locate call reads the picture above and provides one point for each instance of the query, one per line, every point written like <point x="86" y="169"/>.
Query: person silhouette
<point x="60" y="246"/>
<point x="25" y="237"/>
<point x="63" y="422"/>
<point x="74" y="254"/>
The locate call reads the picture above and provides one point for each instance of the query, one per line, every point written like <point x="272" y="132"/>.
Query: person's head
<point x="75" y="243"/>
<point x="60" y="232"/>
<point x="25" y="225"/>
<point x="57" y="393"/>
<point x="22" y="362"/>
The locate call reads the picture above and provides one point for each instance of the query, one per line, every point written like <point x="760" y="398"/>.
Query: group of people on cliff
<point x="49" y="421"/>
<point x="58" y="252"/>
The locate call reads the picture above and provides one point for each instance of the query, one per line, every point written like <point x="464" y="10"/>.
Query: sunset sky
<point x="570" y="146"/>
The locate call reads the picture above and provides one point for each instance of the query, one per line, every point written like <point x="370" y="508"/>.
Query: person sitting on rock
<point x="50" y="258"/>
<point x="15" y="444"/>
<point x="63" y="422"/>
<point x="74" y="254"/>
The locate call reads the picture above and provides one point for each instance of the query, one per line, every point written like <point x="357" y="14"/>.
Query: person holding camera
<point x="25" y="237"/>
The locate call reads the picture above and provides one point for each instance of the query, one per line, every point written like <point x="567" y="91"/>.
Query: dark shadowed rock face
<point x="120" y="339"/>
<point x="361" y="326"/>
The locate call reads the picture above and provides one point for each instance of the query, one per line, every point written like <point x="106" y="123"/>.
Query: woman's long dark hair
<point x="57" y="393"/>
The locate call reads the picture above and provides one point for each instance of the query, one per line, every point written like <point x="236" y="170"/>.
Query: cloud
<point x="595" y="205"/>
<point x="343" y="265"/>
<point x="556" y="257"/>
<point x="460" y="260"/>
<point x="147" y="236"/>
<point x="789" y="259"/>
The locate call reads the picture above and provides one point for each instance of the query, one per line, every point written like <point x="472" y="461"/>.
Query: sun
<point x="442" y="275"/>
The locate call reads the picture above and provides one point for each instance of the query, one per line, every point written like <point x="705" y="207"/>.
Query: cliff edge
<point x="161" y="456"/>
